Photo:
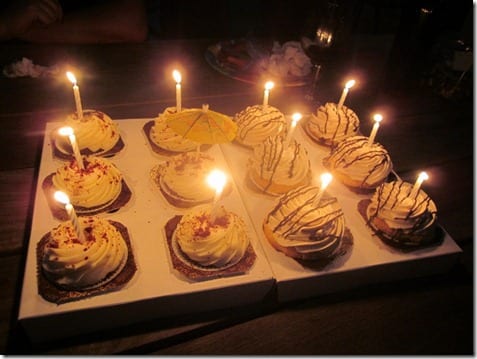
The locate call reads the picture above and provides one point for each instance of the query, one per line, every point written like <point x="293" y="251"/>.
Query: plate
<point x="244" y="60"/>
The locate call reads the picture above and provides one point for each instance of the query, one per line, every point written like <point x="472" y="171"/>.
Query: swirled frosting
<point x="219" y="244"/>
<point x="96" y="131"/>
<point x="312" y="229"/>
<point x="359" y="165"/>
<point x="183" y="177"/>
<point x="256" y="123"/>
<point x="331" y="125"/>
<point x="73" y="264"/>
<point x="276" y="168"/>
<point x="405" y="218"/>
<point x="165" y="137"/>
<point x="97" y="185"/>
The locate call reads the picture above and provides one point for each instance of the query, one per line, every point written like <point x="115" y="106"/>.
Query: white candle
<point x="63" y="198"/>
<point x="421" y="178"/>
<point x="178" y="78"/>
<point x="216" y="179"/>
<point x="295" y="118"/>
<point x="79" y="108"/>
<point x="325" y="181"/>
<point x="377" y="119"/>
<point x="348" y="85"/>
<point x="266" y="93"/>
<point x="68" y="131"/>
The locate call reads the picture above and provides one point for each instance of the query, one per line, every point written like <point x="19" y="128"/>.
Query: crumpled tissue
<point x="26" y="68"/>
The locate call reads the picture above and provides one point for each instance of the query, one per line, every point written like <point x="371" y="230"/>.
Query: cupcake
<point x="399" y="220"/>
<point x="306" y="230"/>
<point x="359" y="165"/>
<point x="182" y="179"/>
<point x="164" y="140"/>
<point x="256" y="123"/>
<point x="96" y="133"/>
<point x="70" y="268"/>
<point x="275" y="168"/>
<point x="202" y="248"/>
<point x="98" y="187"/>
<point x="331" y="125"/>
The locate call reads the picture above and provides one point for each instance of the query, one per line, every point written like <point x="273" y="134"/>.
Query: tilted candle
<point x="295" y="118"/>
<point x="348" y="85"/>
<point x="417" y="185"/>
<point x="216" y="180"/>
<point x="68" y="131"/>
<point x="377" y="119"/>
<point x="64" y="199"/>
<point x="325" y="181"/>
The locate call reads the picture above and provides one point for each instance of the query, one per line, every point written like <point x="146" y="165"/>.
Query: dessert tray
<point x="241" y="59"/>
<point x="156" y="291"/>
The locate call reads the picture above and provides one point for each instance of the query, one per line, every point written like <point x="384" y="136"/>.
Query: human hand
<point x="22" y="15"/>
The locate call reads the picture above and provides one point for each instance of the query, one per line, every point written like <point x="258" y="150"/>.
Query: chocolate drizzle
<point x="295" y="219"/>
<point x="255" y="117"/>
<point x="346" y="118"/>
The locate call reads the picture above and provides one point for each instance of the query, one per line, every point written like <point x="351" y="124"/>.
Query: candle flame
<point x="350" y="84"/>
<point x="269" y="85"/>
<point x="71" y="77"/>
<point x="66" y="131"/>
<point x="378" y="117"/>
<point x="296" y="117"/>
<point x="325" y="180"/>
<point x="423" y="176"/>
<point x="61" y="197"/>
<point x="216" y="180"/>
<point x="177" y="76"/>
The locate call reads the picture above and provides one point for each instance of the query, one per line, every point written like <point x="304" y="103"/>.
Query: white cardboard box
<point x="155" y="290"/>
<point x="369" y="261"/>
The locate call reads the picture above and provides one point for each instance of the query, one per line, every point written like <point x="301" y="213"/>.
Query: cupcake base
<point x="396" y="238"/>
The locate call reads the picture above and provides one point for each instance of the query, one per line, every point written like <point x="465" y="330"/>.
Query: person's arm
<point x="109" y="22"/>
<point x="20" y="16"/>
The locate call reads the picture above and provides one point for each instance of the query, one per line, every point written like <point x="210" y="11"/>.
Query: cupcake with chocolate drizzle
<point x="358" y="164"/>
<point x="401" y="218"/>
<point x="276" y="166"/>
<point x="332" y="124"/>
<point x="256" y="123"/>
<point x="306" y="227"/>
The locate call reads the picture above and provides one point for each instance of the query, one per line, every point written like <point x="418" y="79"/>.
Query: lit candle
<point x="266" y="93"/>
<point x="295" y="118"/>
<point x="178" y="78"/>
<point x="63" y="198"/>
<point x="348" y="85"/>
<point x="216" y="180"/>
<point x="68" y="131"/>
<point x="377" y="119"/>
<point x="79" y="108"/>
<point x="325" y="181"/>
<point x="421" y="178"/>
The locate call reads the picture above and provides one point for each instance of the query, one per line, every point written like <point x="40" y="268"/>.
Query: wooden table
<point x="431" y="315"/>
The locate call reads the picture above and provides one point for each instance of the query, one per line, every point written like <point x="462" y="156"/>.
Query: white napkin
<point x="25" y="67"/>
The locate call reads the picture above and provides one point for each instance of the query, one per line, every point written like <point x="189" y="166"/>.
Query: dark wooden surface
<point x="431" y="315"/>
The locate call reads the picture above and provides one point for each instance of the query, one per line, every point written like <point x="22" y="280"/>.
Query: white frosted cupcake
<point x="331" y="125"/>
<point x="256" y="123"/>
<point x="275" y="168"/>
<point x="303" y="228"/>
<point x="359" y="165"/>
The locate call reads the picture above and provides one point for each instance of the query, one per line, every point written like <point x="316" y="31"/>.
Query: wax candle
<point x="216" y="180"/>
<point x="295" y="118"/>
<point x="348" y="85"/>
<point x="68" y="131"/>
<point x="64" y="199"/>
<point x="79" y="108"/>
<point x="178" y="78"/>
<point x="417" y="185"/>
<point x="325" y="181"/>
<point x="266" y="93"/>
<point x="377" y="119"/>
